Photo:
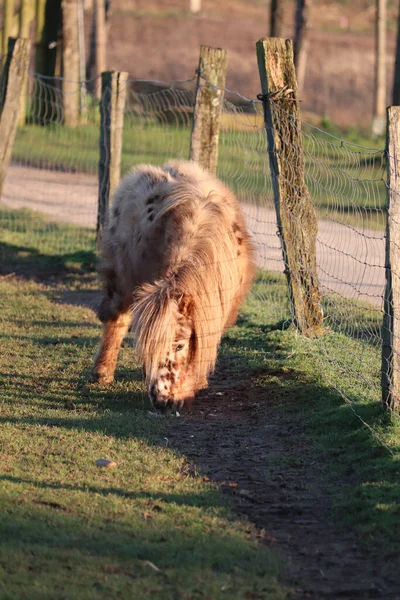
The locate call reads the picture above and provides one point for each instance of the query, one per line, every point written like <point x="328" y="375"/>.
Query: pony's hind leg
<point x="114" y="332"/>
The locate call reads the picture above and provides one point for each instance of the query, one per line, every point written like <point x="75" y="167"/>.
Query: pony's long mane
<point x="154" y="317"/>
<point x="204" y="272"/>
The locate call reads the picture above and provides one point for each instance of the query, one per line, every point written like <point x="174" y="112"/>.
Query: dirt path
<point x="273" y="481"/>
<point x="350" y="260"/>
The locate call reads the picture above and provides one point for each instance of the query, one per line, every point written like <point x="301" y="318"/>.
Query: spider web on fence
<point x="243" y="164"/>
<point x="348" y="189"/>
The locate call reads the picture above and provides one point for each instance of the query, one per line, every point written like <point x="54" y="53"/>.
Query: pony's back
<point x="165" y="219"/>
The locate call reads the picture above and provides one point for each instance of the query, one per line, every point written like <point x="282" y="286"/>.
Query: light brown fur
<point x="177" y="262"/>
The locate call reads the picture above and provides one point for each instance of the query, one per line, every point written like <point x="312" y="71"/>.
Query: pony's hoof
<point x="102" y="378"/>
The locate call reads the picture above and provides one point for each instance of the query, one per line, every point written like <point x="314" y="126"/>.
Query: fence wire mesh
<point x="348" y="188"/>
<point x="53" y="179"/>
<point x="243" y="165"/>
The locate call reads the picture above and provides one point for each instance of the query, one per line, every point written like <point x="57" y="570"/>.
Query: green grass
<point x="70" y="530"/>
<point x="77" y="149"/>
<point x="149" y="527"/>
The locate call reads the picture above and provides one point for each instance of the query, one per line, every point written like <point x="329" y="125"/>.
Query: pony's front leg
<point x="107" y="355"/>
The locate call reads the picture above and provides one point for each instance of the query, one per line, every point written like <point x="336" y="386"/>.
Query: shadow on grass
<point x="186" y="499"/>
<point x="53" y="392"/>
<point x="254" y="365"/>
<point x="28" y="262"/>
<point x="138" y="558"/>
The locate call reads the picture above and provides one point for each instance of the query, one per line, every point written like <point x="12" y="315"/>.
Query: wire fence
<point x="53" y="179"/>
<point x="348" y="187"/>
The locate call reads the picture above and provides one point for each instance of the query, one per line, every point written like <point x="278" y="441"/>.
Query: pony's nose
<point x="163" y="404"/>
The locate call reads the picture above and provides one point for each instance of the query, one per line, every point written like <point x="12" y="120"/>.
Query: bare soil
<point x="260" y="460"/>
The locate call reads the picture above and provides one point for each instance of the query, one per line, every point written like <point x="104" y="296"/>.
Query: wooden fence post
<point x="208" y="107"/>
<point x="70" y="84"/>
<point x="297" y="222"/>
<point x="10" y="100"/>
<point x="391" y="323"/>
<point x="112" y="105"/>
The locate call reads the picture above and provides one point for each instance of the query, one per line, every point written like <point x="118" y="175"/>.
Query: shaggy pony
<point x="176" y="263"/>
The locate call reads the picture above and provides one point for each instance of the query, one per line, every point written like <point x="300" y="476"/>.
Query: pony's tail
<point x="154" y="312"/>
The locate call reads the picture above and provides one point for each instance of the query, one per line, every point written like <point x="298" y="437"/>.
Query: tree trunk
<point x="8" y="15"/>
<point x="48" y="48"/>
<point x="71" y="75"/>
<point x="301" y="39"/>
<point x="100" y="43"/>
<point x="276" y="18"/>
<point x="379" y="120"/>
<point x="47" y="34"/>
<point x="96" y="63"/>
<point x="396" y="78"/>
<point x="25" y="17"/>
<point x="40" y="36"/>
<point x="82" y="60"/>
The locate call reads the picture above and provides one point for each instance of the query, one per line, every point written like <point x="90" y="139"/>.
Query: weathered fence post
<point x="10" y="99"/>
<point x="208" y="107"/>
<point x="391" y="323"/>
<point x="112" y="105"/>
<point x="297" y="221"/>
